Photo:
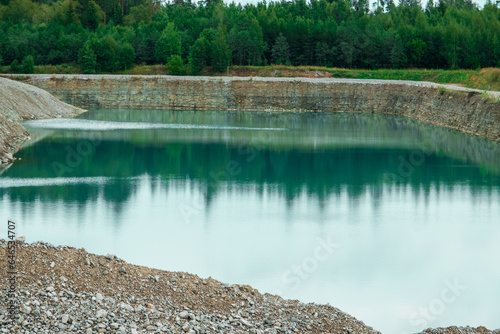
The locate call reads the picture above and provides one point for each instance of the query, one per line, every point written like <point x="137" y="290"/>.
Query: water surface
<point x="391" y="220"/>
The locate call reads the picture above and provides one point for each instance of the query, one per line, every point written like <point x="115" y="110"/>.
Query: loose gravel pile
<point x="67" y="290"/>
<point x="19" y="101"/>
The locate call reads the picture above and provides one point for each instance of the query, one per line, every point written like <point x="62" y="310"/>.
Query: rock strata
<point x="467" y="110"/>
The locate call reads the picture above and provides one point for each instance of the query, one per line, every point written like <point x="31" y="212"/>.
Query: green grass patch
<point x="146" y="70"/>
<point x="58" y="69"/>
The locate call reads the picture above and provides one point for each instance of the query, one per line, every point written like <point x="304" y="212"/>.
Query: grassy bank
<point x="488" y="78"/>
<point x="484" y="79"/>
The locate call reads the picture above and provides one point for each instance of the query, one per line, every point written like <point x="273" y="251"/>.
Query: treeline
<point x="112" y="35"/>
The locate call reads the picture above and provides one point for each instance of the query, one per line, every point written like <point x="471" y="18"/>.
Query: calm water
<point x="393" y="221"/>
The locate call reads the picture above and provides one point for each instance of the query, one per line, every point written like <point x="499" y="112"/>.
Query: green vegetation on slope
<point x="484" y="79"/>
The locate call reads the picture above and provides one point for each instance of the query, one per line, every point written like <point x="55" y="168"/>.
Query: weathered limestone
<point x="454" y="107"/>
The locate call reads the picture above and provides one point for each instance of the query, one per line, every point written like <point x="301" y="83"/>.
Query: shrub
<point x="14" y="66"/>
<point x="28" y="65"/>
<point x="485" y="96"/>
<point x="175" y="65"/>
<point x="87" y="59"/>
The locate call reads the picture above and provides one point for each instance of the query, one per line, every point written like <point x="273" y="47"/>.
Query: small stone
<point x="184" y="315"/>
<point x="110" y="256"/>
<point x="52" y="264"/>
<point x="126" y="307"/>
<point x="123" y="270"/>
<point x="246" y="322"/>
<point x="101" y="313"/>
<point x="65" y="318"/>
<point x="25" y="309"/>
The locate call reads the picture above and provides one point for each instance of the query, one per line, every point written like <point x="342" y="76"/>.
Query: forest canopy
<point x="112" y="35"/>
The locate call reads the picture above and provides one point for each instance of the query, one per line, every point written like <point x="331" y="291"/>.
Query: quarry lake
<point x="393" y="221"/>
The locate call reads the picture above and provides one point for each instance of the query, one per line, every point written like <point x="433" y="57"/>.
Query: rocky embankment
<point x="63" y="289"/>
<point x="19" y="102"/>
<point x="463" y="109"/>
<point x="69" y="290"/>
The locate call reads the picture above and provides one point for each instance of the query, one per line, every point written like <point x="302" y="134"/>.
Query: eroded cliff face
<point x="453" y="107"/>
<point x="18" y="102"/>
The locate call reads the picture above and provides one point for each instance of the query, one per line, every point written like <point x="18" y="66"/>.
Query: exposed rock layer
<point x="19" y="102"/>
<point x="454" y="107"/>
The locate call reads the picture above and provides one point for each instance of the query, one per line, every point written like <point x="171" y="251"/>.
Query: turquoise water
<point x="391" y="220"/>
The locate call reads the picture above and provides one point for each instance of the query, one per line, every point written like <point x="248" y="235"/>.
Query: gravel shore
<point x="18" y="102"/>
<point x="68" y="290"/>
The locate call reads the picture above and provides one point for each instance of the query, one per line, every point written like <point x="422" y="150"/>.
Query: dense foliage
<point x="112" y="35"/>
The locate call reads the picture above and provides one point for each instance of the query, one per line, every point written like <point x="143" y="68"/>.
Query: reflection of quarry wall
<point x="464" y="110"/>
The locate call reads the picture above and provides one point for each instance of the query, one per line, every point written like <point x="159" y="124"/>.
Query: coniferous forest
<point x="112" y="35"/>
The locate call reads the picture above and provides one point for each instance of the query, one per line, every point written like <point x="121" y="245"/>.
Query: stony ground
<point x="459" y="330"/>
<point x="67" y="290"/>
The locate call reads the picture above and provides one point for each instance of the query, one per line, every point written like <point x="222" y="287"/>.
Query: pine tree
<point x="87" y="59"/>
<point x="199" y="55"/>
<point x="398" y="54"/>
<point x="417" y="49"/>
<point x="28" y="65"/>
<point x="71" y="14"/>
<point x="14" y="66"/>
<point x="281" y="50"/>
<point x="221" y="52"/>
<point x="90" y="17"/>
<point x="175" y="65"/>
<point x="118" y="15"/>
<point x="168" y="44"/>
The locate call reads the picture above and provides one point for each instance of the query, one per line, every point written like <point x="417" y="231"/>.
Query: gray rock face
<point x="450" y="106"/>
